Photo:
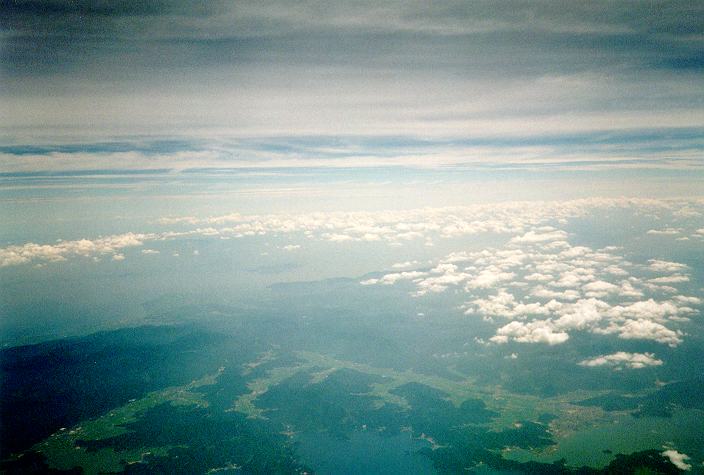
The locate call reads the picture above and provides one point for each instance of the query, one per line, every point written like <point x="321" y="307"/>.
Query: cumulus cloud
<point x="622" y="360"/>
<point x="581" y="315"/>
<point x="571" y="279"/>
<point x="658" y="265"/>
<point x="647" y="309"/>
<point x="109" y="245"/>
<point x="505" y="305"/>
<point x="670" y="279"/>
<point x="440" y="278"/>
<point x="643" y="330"/>
<point x="402" y="265"/>
<point x="685" y="299"/>
<point x="489" y="277"/>
<point x="678" y="459"/>
<point x="627" y="290"/>
<point x="538" y="331"/>
<point x="566" y="295"/>
<point x="578" y="289"/>
<point x="419" y="224"/>
<point x="665" y="231"/>
<point x="538" y="277"/>
<point x="615" y="270"/>
<point x="390" y="279"/>
<point x="599" y="288"/>
<point x="541" y="235"/>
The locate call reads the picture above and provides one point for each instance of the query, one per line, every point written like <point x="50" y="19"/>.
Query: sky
<point x="180" y="86"/>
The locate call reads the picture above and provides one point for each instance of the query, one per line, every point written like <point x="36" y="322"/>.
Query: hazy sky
<point x="177" y="84"/>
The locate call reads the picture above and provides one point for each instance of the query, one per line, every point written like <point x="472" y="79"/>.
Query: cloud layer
<point x="578" y="74"/>
<point x="534" y="287"/>
<point x="524" y="224"/>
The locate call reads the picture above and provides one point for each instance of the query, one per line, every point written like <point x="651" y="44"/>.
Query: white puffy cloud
<point x="489" y="277"/>
<point x="537" y="331"/>
<point x="579" y="289"/>
<point x="622" y="360"/>
<point x="646" y="309"/>
<point x="540" y="236"/>
<point x="572" y="279"/>
<point x="678" y="459"/>
<point x="658" y="265"/>
<point x="600" y="288"/>
<point x="108" y="245"/>
<point x="665" y="231"/>
<point x="567" y="295"/>
<point x="615" y="270"/>
<point x="644" y="330"/>
<point x="669" y="279"/>
<point x="390" y="279"/>
<point x="687" y="300"/>
<point x="627" y="290"/>
<point x="582" y="315"/>
<point x="403" y="265"/>
<point x="441" y="277"/>
<point x="504" y="305"/>
<point x="537" y="277"/>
